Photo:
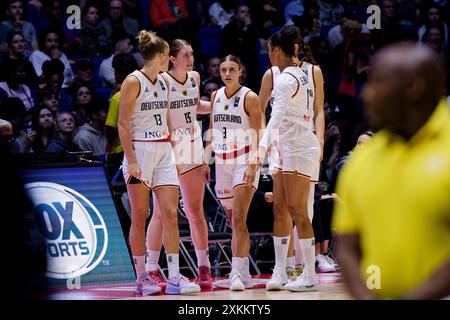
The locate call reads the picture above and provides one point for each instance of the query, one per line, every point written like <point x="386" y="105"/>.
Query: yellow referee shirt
<point x="112" y="120"/>
<point x="396" y="196"/>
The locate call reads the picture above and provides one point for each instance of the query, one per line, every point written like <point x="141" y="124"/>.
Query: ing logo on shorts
<point x="75" y="233"/>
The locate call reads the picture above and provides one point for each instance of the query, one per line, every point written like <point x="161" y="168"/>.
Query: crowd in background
<point x="57" y="82"/>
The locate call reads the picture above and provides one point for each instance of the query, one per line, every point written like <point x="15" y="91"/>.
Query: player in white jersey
<point x="234" y="127"/>
<point x="294" y="265"/>
<point x="149" y="163"/>
<point x="184" y="104"/>
<point x="294" y="118"/>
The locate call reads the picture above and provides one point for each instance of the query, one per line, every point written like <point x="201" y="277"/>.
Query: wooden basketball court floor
<point x="330" y="288"/>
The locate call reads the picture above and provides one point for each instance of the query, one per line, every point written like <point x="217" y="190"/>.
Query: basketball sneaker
<point x="146" y="286"/>
<point x="324" y="265"/>
<point x="181" y="285"/>
<point x="277" y="281"/>
<point x="303" y="283"/>
<point x="331" y="260"/>
<point x="204" y="279"/>
<point x="239" y="281"/>
<point x="158" y="278"/>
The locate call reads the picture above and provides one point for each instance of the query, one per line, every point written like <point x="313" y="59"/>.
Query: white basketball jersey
<point x="149" y="119"/>
<point x="300" y="108"/>
<point x="184" y="98"/>
<point x="230" y="122"/>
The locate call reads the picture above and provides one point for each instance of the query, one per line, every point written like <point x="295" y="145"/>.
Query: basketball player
<point x="235" y="123"/>
<point x="295" y="115"/>
<point x="149" y="163"/>
<point x="294" y="265"/>
<point x="184" y="103"/>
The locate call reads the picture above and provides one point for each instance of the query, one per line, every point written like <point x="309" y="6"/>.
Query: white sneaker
<point x="331" y="260"/>
<point x="181" y="285"/>
<point x="323" y="265"/>
<point x="236" y="282"/>
<point x="146" y="286"/>
<point x="303" y="283"/>
<point x="277" y="281"/>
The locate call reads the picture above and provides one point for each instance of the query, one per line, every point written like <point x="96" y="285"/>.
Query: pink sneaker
<point x="204" y="279"/>
<point x="158" y="279"/>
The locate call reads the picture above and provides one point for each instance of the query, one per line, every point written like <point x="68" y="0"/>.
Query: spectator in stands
<point x="43" y="123"/>
<point x="207" y="88"/>
<point x="53" y="77"/>
<point x="433" y="39"/>
<point x="84" y="73"/>
<point x="50" y="41"/>
<point x="132" y="9"/>
<point x="91" y="135"/>
<point x="361" y="137"/>
<point x="244" y="75"/>
<point x="46" y="98"/>
<point x="16" y="43"/>
<point x="117" y="25"/>
<point x="239" y="38"/>
<point x="169" y="19"/>
<point x="106" y="70"/>
<point x="82" y="99"/>
<point x="6" y="135"/>
<point x="391" y="31"/>
<point x="348" y="22"/>
<point x="13" y="110"/>
<point x="293" y="9"/>
<point x="268" y="15"/>
<point x="63" y="141"/>
<point x="310" y="28"/>
<point x="123" y="64"/>
<point x="330" y="12"/>
<point x="331" y="147"/>
<point x="221" y="12"/>
<point x="434" y="18"/>
<point x="55" y="13"/>
<point x="93" y="33"/>
<point x="15" y="22"/>
<point x="15" y="86"/>
<point x="4" y="30"/>
<point x="212" y="70"/>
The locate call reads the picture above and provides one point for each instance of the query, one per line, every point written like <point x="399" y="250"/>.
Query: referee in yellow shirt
<point x="393" y="220"/>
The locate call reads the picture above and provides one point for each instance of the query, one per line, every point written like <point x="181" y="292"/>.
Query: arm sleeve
<point x="285" y="87"/>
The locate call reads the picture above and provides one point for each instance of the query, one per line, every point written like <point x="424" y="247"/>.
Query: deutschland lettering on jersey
<point x="227" y="118"/>
<point x="183" y="103"/>
<point x="153" y="105"/>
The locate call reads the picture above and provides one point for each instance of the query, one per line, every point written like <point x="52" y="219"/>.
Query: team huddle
<point x="164" y="153"/>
